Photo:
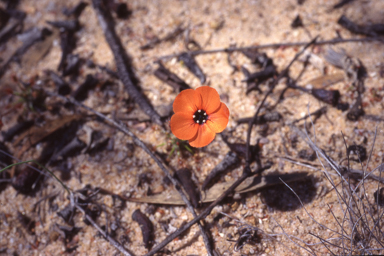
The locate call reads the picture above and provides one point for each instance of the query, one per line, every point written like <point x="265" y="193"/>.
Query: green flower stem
<point x="44" y="168"/>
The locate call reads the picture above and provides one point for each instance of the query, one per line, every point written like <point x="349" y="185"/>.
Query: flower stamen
<point x="200" y="116"/>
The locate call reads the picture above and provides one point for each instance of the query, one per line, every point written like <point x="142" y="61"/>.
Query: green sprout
<point x="176" y="145"/>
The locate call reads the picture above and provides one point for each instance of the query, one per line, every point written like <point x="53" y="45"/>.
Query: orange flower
<point x="199" y="115"/>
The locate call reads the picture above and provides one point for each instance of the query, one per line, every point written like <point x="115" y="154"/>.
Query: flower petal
<point x="187" y="101"/>
<point x="183" y="126"/>
<point x="218" y="120"/>
<point x="210" y="99"/>
<point x="203" y="137"/>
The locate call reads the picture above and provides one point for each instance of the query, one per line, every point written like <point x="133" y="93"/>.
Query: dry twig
<point x="160" y="163"/>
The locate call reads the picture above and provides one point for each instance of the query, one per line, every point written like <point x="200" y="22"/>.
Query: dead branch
<point x="160" y="163"/>
<point x="122" y="60"/>
<point x="112" y="241"/>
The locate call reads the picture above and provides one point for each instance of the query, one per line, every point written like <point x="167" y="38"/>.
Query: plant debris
<point x="185" y="177"/>
<point x="170" y="78"/>
<point x="231" y="160"/>
<point x="86" y="146"/>
<point x="146" y="227"/>
<point x="189" y="61"/>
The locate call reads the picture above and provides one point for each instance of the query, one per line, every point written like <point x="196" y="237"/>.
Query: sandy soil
<point x="213" y="25"/>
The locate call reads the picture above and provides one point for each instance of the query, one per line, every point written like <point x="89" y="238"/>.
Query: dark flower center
<point x="200" y="116"/>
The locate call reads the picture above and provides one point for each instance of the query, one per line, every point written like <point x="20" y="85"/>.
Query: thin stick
<point x="206" y="211"/>
<point x="116" y="244"/>
<point x="288" y="159"/>
<point x="44" y="168"/>
<point x="162" y="166"/>
<point x="122" y="60"/>
<point x="272" y="87"/>
<point x="289" y="238"/>
<point x="277" y="45"/>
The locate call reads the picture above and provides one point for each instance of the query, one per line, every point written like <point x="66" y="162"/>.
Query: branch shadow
<point x="281" y="198"/>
